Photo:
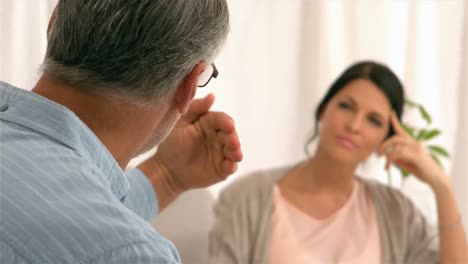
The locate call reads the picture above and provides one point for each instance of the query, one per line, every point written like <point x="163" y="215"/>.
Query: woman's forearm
<point x="453" y="242"/>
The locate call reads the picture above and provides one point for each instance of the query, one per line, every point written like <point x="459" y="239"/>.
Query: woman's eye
<point x="344" y="105"/>
<point x="375" y="122"/>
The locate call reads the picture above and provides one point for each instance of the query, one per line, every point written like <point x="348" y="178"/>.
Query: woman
<point x="319" y="211"/>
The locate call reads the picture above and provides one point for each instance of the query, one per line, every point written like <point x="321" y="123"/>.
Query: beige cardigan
<point x="243" y="215"/>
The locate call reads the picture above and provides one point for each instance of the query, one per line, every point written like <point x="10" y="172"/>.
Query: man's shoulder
<point x="55" y="208"/>
<point x="59" y="223"/>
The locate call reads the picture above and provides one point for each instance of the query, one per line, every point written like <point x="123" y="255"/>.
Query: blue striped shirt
<point x="63" y="197"/>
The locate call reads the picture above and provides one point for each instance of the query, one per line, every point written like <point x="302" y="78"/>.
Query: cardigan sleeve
<point x="407" y="236"/>
<point x="423" y="240"/>
<point x="229" y="237"/>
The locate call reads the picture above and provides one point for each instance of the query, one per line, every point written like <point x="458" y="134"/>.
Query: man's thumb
<point x="198" y="107"/>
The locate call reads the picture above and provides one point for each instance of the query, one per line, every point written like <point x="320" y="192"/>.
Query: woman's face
<point x="355" y="122"/>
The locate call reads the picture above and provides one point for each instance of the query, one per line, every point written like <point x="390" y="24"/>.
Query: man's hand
<point x="203" y="149"/>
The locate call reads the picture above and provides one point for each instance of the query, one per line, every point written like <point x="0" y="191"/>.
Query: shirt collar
<point x="38" y="113"/>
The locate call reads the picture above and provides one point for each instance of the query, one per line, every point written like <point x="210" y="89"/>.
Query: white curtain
<point x="460" y="160"/>
<point x="282" y="55"/>
<point x="23" y="39"/>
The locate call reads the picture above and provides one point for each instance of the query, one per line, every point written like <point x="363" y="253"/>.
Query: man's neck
<point x="121" y="127"/>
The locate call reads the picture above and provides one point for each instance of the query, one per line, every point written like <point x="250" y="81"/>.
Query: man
<point x="117" y="77"/>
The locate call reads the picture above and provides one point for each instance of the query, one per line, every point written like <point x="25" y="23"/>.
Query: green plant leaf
<point x="425" y="115"/>
<point x="405" y="173"/>
<point x="436" y="159"/>
<point x="429" y="134"/>
<point x="410" y="130"/>
<point x="421" y="134"/>
<point x="410" y="103"/>
<point x="439" y="150"/>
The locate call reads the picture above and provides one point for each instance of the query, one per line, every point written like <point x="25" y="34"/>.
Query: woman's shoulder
<point x="388" y="197"/>
<point x="256" y="183"/>
<point x="258" y="178"/>
<point x="375" y="185"/>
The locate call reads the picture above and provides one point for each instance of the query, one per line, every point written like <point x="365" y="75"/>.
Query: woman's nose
<point x="355" y="123"/>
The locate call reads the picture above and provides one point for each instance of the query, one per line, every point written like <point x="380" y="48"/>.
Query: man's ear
<point x="187" y="89"/>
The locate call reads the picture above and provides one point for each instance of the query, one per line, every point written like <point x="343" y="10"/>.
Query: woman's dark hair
<point x="378" y="74"/>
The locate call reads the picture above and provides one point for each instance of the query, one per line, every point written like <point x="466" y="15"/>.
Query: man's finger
<point x="218" y="121"/>
<point x="231" y="147"/>
<point x="199" y="107"/>
<point x="230" y="141"/>
<point x="228" y="167"/>
<point x="233" y="155"/>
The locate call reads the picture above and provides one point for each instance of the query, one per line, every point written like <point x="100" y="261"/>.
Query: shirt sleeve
<point x="141" y="197"/>
<point x="141" y="253"/>
<point x="9" y="255"/>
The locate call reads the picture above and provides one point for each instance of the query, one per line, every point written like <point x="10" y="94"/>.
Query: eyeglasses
<point x="206" y="75"/>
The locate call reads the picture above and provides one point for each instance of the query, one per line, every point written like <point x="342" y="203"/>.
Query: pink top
<point x="348" y="236"/>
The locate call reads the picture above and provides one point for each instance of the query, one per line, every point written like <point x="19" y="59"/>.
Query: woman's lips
<point x="347" y="142"/>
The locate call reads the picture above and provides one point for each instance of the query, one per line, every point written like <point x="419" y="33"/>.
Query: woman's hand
<point x="407" y="153"/>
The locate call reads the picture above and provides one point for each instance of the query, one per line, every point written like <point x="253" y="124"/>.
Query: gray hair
<point x="139" y="50"/>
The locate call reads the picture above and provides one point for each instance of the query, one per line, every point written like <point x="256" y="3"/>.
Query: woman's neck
<point x="323" y="173"/>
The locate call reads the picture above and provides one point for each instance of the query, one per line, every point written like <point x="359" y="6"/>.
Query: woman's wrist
<point x="452" y="225"/>
<point x="440" y="185"/>
<point x="438" y="180"/>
